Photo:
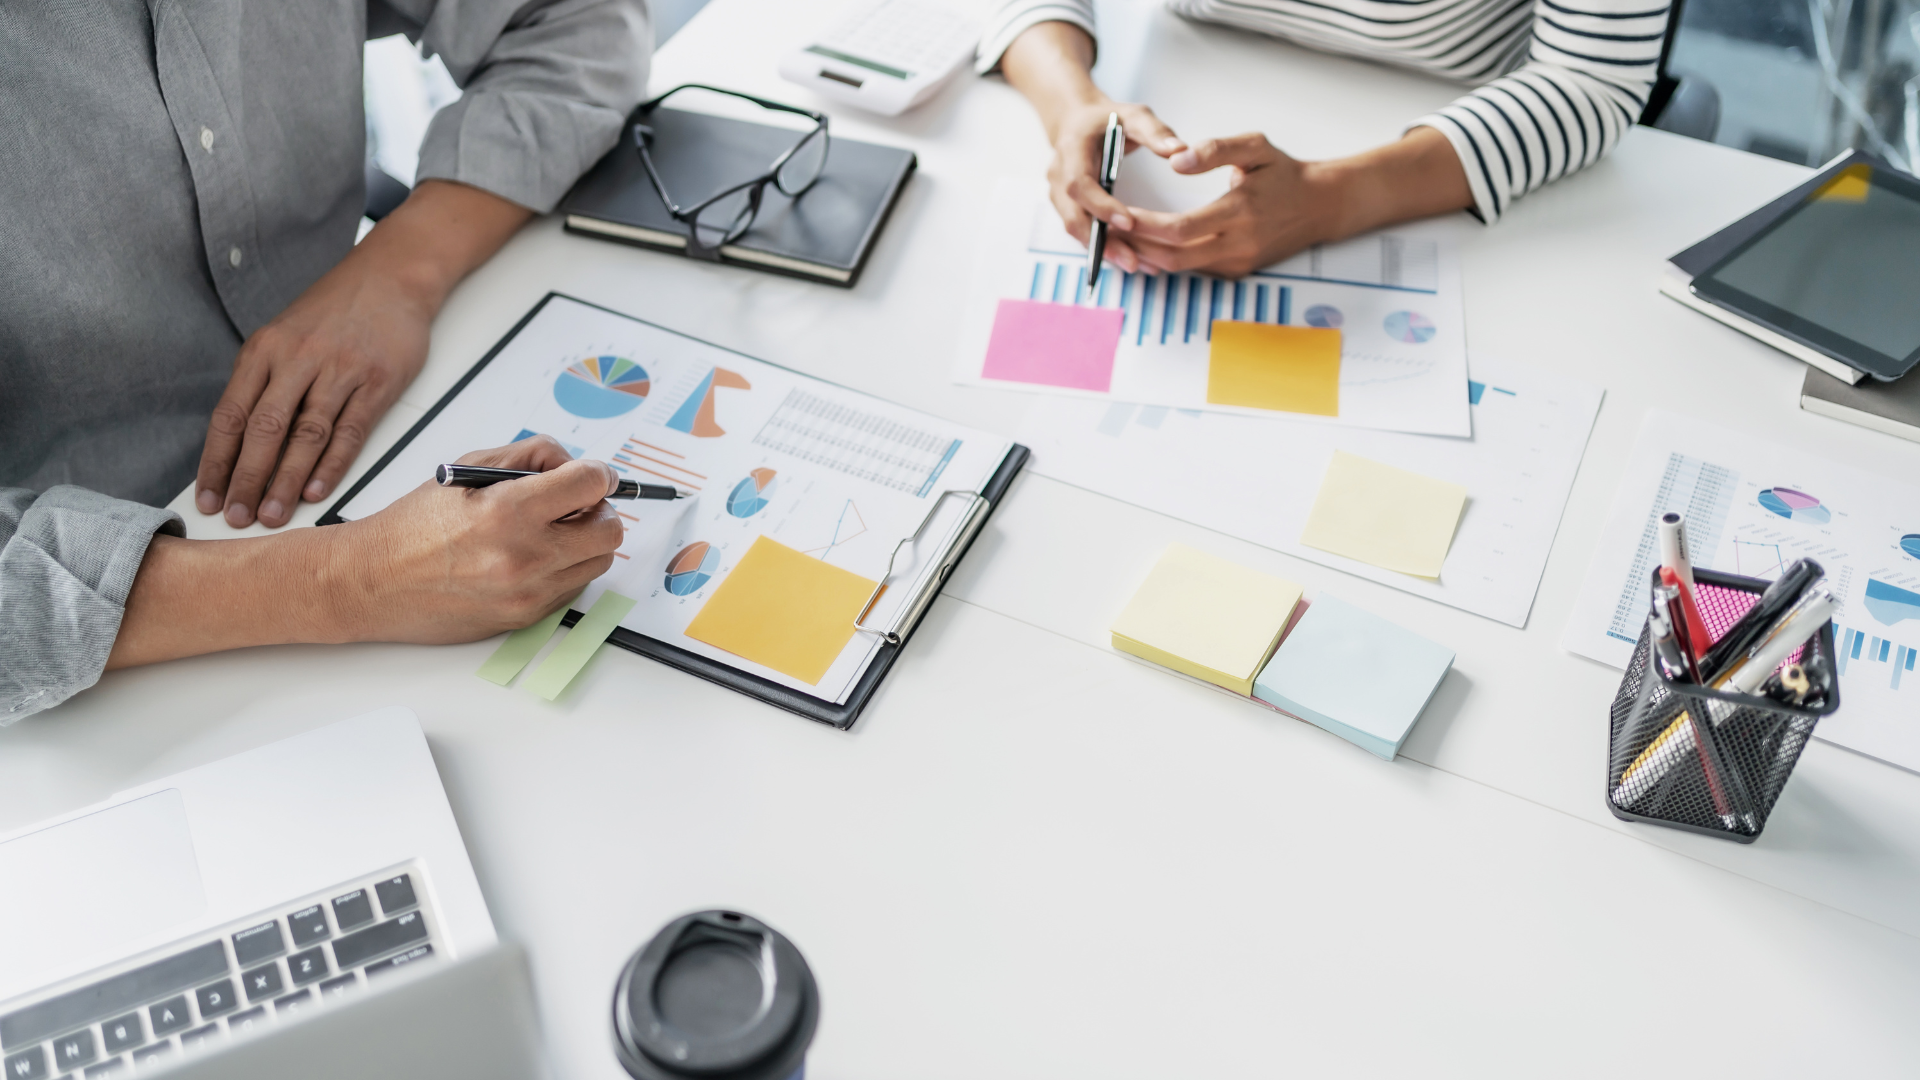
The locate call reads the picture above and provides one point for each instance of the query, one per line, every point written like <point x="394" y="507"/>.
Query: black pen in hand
<point x="477" y="476"/>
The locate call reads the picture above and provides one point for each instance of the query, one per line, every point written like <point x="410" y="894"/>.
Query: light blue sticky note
<point x="1354" y="674"/>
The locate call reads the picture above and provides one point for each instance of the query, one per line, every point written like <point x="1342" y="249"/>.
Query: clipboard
<point x="893" y="636"/>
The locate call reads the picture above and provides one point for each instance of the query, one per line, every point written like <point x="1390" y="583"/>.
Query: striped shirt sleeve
<point x="1013" y="18"/>
<point x="1589" y="69"/>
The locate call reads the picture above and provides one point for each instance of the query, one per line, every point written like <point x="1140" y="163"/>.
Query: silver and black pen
<point x="478" y="476"/>
<point x="1112" y="148"/>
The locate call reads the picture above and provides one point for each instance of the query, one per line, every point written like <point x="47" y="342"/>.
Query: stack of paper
<point x="1206" y="617"/>
<point x="1354" y="674"/>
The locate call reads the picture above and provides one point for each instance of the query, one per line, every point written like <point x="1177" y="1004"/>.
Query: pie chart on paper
<point x="1910" y="544"/>
<point x="1795" y="506"/>
<point x="601" y="387"/>
<point x="692" y="568"/>
<point x="750" y="495"/>
<point x="1325" y="316"/>
<point x="1409" y="326"/>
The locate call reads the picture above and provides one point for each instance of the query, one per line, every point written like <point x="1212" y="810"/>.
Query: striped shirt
<point x="1557" y="82"/>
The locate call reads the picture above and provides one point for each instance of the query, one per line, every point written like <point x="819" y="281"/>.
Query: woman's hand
<point x="439" y="565"/>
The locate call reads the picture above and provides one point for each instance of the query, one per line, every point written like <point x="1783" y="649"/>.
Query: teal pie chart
<point x="692" y="568"/>
<point x="1910" y="544"/>
<point x="602" y="387"/>
<point x="1889" y="603"/>
<point x="1795" y="506"/>
<point x="750" y="496"/>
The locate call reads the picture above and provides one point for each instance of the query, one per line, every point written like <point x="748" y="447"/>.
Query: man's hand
<point x="308" y="387"/>
<point x="439" y="565"/>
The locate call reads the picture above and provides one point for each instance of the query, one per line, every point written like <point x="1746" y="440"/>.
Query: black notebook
<point x="825" y="234"/>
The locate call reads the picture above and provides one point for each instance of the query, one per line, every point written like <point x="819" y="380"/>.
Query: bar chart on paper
<point x="1753" y="509"/>
<point x="1394" y="297"/>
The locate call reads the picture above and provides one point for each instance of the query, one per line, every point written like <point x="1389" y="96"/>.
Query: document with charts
<point x="1752" y="508"/>
<point x="1256" y="478"/>
<point x="1394" y="296"/>
<point x="837" y="475"/>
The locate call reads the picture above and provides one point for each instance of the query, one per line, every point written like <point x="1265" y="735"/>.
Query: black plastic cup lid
<point x="716" y="995"/>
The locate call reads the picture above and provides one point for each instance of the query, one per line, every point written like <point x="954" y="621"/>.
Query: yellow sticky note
<point x="1851" y="184"/>
<point x="787" y="611"/>
<point x="1206" y="617"/>
<point x="1389" y="517"/>
<point x="1283" y="368"/>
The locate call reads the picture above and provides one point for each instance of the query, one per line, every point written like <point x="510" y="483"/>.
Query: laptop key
<point x="394" y="963"/>
<point x="256" y="943"/>
<point x="216" y="998"/>
<point x="309" y="925"/>
<point x="170" y="1016"/>
<point x="307" y="966"/>
<point x="199" y="1038"/>
<point x="396" y="894"/>
<point x="113" y="996"/>
<point x="340" y="987"/>
<point x="353" y="909"/>
<point x="113" y="1067"/>
<point x="245" y="1023"/>
<point x="75" y="1050"/>
<point x="122" y="1032"/>
<point x="151" y="1057"/>
<point x="361" y="946"/>
<point x="298" y="1001"/>
<point x="28" y="1064"/>
<point x="262" y="982"/>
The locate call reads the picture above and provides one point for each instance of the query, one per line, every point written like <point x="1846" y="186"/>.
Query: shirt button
<point x="206" y="138"/>
<point x="233" y="257"/>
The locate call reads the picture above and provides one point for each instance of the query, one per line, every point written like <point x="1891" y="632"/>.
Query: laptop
<point x="321" y="877"/>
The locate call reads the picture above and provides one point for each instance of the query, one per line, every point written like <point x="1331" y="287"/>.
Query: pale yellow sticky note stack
<point x="1206" y="617"/>
<point x="788" y="611"/>
<point x="1283" y="368"/>
<point x="1388" y="517"/>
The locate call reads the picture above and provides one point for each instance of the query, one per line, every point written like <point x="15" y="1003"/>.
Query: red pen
<point x="1697" y="637"/>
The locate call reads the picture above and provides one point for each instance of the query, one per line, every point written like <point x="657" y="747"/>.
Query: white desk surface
<point x="1035" y="857"/>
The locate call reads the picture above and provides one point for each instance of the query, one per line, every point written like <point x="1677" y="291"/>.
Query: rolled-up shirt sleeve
<point x="68" y="557"/>
<point x="1014" y="17"/>
<point x="545" y="89"/>
<point x="1590" y="66"/>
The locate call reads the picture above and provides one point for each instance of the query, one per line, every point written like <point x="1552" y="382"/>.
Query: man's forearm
<point x="439" y="235"/>
<point x="201" y="596"/>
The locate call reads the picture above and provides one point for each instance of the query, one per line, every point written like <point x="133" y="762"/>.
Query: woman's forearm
<point x="1051" y="65"/>
<point x="1417" y="176"/>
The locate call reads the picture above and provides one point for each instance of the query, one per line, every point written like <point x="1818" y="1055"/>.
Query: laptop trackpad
<point x="87" y="889"/>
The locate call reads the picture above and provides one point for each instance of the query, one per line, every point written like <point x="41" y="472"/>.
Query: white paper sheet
<point x="831" y="472"/>
<point x="1395" y="297"/>
<point x="1256" y="478"/>
<point x="1752" y="507"/>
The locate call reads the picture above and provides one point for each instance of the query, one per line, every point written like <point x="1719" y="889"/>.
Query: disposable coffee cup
<point x="717" y="995"/>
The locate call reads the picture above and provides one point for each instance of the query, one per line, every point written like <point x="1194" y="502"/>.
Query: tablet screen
<point x="1841" y="271"/>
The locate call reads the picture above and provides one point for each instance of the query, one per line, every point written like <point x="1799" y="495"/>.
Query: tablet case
<point x="827" y="712"/>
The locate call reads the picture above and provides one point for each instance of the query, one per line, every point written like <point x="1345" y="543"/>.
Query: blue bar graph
<point x="1166" y="313"/>
<point x="1260" y="303"/>
<point x="1033" y="291"/>
<point x="1146" y="309"/>
<point x="1193" y="307"/>
<point x="1286" y="303"/>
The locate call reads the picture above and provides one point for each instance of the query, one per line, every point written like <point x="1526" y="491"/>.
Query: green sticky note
<point x="520" y="647"/>
<point x="567" y="658"/>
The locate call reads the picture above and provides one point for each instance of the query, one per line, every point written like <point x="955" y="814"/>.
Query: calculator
<point x="885" y="56"/>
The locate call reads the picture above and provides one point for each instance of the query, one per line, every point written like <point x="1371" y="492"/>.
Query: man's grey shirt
<point x="173" y="174"/>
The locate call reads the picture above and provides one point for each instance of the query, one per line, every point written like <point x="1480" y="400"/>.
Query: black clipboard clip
<point x="916" y="604"/>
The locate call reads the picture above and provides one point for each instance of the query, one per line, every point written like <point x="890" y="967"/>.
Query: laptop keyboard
<point x="228" y="982"/>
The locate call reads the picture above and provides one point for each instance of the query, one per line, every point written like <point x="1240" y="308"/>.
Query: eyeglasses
<point x="722" y="218"/>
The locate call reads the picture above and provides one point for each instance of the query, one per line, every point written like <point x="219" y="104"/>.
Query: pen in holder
<point x="1710" y="761"/>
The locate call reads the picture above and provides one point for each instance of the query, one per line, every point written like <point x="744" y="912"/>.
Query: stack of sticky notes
<point x="1206" y="617"/>
<point x="1354" y="674"/>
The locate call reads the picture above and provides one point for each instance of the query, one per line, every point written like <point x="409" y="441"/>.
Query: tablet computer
<point x="1839" y="273"/>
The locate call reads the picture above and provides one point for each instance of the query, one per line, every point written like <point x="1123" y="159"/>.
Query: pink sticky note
<point x="1053" y="344"/>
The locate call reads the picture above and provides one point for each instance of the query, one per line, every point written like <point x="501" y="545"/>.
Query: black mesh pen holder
<point x="1660" y="771"/>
